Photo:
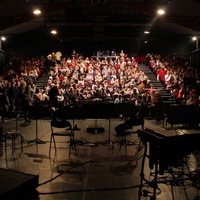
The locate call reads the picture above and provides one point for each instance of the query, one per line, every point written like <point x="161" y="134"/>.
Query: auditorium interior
<point x="89" y="150"/>
<point x="154" y="160"/>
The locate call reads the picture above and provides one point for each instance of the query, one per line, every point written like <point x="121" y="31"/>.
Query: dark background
<point x="41" y="42"/>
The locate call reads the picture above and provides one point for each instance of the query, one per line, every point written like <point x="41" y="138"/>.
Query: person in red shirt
<point x="161" y="74"/>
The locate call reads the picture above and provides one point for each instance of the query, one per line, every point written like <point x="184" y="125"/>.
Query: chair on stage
<point x="14" y="137"/>
<point x="125" y="127"/>
<point x="72" y="113"/>
<point x="131" y="119"/>
<point x="61" y="128"/>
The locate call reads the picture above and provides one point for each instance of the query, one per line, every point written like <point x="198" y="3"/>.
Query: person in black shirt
<point x="53" y="94"/>
<point x="47" y="65"/>
<point x="134" y="120"/>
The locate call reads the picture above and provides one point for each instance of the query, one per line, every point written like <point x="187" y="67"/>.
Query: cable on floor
<point x="63" y="173"/>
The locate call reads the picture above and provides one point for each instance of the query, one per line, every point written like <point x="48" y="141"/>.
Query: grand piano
<point x="166" y="148"/>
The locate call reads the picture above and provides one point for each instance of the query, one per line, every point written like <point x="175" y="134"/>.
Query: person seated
<point x="192" y="100"/>
<point x="113" y="52"/>
<point x="118" y="99"/>
<point x="128" y="124"/>
<point x="134" y="120"/>
<point x="99" y="53"/>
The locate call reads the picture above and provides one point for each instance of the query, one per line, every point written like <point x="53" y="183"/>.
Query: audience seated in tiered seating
<point x="77" y="78"/>
<point x="177" y="76"/>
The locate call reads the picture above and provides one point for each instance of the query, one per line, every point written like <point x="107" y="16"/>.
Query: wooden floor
<point x="100" y="168"/>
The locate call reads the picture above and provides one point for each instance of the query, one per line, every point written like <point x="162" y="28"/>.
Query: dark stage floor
<point x="98" y="170"/>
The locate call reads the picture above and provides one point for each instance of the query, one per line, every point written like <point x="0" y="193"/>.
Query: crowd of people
<point x="178" y="76"/>
<point x="71" y="80"/>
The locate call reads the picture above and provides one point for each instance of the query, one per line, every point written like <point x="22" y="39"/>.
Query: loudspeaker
<point x="95" y="130"/>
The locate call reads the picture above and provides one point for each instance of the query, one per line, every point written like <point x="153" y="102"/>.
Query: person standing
<point x="122" y="54"/>
<point x="157" y="102"/>
<point x="53" y="94"/>
<point x="4" y="103"/>
<point x="74" y="55"/>
<point x="13" y="95"/>
<point x="58" y="56"/>
<point x="47" y="65"/>
<point x="27" y="102"/>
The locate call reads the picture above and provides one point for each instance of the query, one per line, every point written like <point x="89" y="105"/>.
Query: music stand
<point x="106" y="110"/>
<point x="93" y="111"/>
<point x="37" y="112"/>
<point x="109" y="141"/>
<point x="72" y="113"/>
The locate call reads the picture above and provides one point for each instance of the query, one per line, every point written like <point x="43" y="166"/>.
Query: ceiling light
<point x="53" y="32"/>
<point x="194" y="38"/>
<point x="146" y="32"/>
<point x="161" y="12"/>
<point x="37" y="12"/>
<point x="3" y="38"/>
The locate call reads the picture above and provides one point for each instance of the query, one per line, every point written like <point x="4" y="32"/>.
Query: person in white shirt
<point x="58" y="56"/>
<point x="119" y="99"/>
<point x="167" y="77"/>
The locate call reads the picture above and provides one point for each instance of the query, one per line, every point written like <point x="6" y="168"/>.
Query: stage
<point x="17" y="185"/>
<point x="99" y="170"/>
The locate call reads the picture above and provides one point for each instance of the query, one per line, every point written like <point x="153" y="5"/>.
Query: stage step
<point x="42" y="81"/>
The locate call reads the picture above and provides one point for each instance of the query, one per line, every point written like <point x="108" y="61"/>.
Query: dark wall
<point x="42" y="43"/>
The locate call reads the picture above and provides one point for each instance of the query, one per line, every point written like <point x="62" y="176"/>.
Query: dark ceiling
<point x="101" y="20"/>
